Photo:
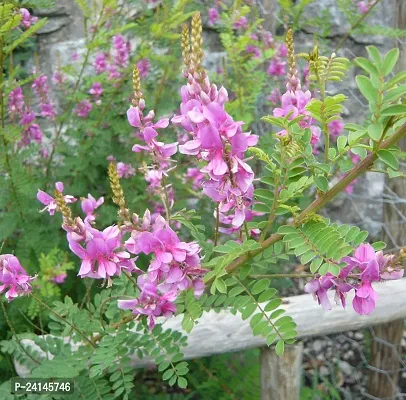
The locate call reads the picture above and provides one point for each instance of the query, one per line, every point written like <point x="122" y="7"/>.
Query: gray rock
<point x="54" y="24"/>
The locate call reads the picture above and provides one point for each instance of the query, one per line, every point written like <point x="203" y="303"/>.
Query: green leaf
<point x="168" y="374"/>
<point x="321" y="182"/>
<point x="267" y="295"/>
<point x="280" y="347"/>
<point x="273" y="304"/>
<point x="367" y="88"/>
<point x="379" y="245"/>
<point x="388" y="158"/>
<point x="366" y="65"/>
<point x="248" y="311"/>
<point x="315" y="265"/>
<point x="397" y="109"/>
<point x="220" y="285"/>
<point x="390" y="61"/>
<point x="285" y="229"/>
<point x="375" y="131"/>
<point x="182" y="382"/>
<point x="271" y="338"/>
<point x="374" y="55"/>
<point x="260" y="286"/>
<point x="264" y="194"/>
<point x="163" y="366"/>
<point x="341" y="142"/>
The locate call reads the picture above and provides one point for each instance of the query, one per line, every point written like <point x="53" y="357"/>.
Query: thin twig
<point x="359" y="20"/>
<point x="39" y="301"/>
<point x="10" y="325"/>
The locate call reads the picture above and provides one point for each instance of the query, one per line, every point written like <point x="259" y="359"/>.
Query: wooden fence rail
<point x="224" y="332"/>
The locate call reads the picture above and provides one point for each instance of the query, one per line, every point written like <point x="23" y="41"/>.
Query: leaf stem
<point x="39" y="301"/>
<point x="359" y="20"/>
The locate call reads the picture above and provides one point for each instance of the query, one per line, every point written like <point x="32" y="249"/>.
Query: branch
<point x="321" y="201"/>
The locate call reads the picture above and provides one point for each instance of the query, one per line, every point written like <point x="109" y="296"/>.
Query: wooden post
<point x="383" y="381"/>
<point x="281" y="376"/>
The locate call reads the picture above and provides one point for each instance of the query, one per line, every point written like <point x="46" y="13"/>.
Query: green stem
<point x="39" y="301"/>
<point x="359" y="20"/>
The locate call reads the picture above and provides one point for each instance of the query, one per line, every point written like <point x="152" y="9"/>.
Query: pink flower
<point x="16" y="101"/>
<point x="282" y="50"/>
<point x="102" y="256"/>
<point x="220" y="141"/>
<point x="275" y="96"/>
<point x="58" y="78"/>
<point x="267" y="39"/>
<point x="47" y="110"/>
<point x="213" y="15"/>
<point x="83" y="108"/>
<point x="96" y="90"/>
<point x="254" y="50"/>
<point x="27" y="20"/>
<point x="13" y="277"/>
<point x="336" y="127"/>
<point x="241" y="23"/>
<point x="40" y="86"/>
<point x="319" y="287"/>
<point x="150" y="302"/>
<point x="125" y="170"/>
<point x="143" y="67"/>
<point x="114" y="73"/>
<point x="277" y="67"/>
<point x="364" y="7"/>
<point x="121" y="50"/>
<point x="50" y="202"/>
<point x="100" y="63"/>
<point x="60" y="278"/>
<point x="365" y="298"/>
<point x="365" y="265"/>
<point x="89" y="205"/>
<point x="147" y="128"/>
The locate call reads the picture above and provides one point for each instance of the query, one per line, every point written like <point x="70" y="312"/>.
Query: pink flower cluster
<point x="96" y="90"/>
<point x="125" y="170"/>
<point x="101" y="251"/>
<point x="293" y="104"/>
<point x="18" y="110"/>
<point x="365" y="267"/>
<point x="121" y="50"/>
<point x="175" y="267"/>
<point x="147" y="129"/>
<point x="213" y="15"/>
<point x="41" y="90"/>
<point x="13" y="277"/>
<point x="118" y="59"/>
<point x="143" y="67"/>
<point x="219" y="140"/>
<point x="364" y="5"/>
<point x="27" y="19"/>
<point x="83" y="108"/>
<point x="277" y="66"/>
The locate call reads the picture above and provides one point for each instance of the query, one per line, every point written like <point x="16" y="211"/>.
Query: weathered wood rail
<point x="224" y="332"/>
